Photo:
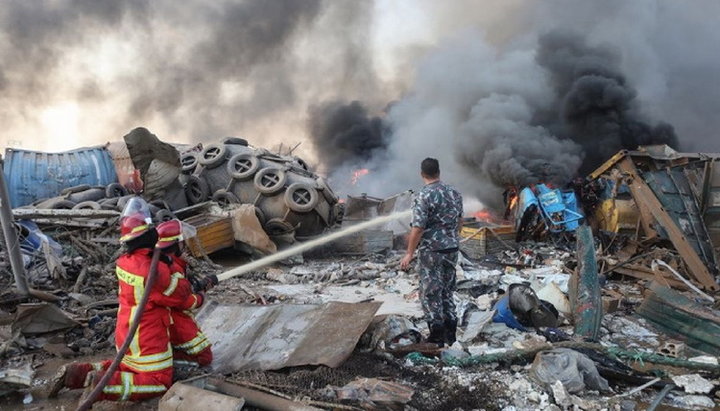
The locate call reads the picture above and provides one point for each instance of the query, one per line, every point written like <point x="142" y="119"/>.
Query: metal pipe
<point x="663" y="393"/>
<point x="11" y="237"/>
<point x="87" y="404"/>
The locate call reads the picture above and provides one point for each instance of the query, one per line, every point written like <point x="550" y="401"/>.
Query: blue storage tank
<point x="33" y="175"/>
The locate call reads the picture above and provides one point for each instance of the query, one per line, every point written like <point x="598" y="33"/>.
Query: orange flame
<point x="484" y="215"/>
<point x="357" y="174"/>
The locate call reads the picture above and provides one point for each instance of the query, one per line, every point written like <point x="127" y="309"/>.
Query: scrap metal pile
<point x="601" y="295"/>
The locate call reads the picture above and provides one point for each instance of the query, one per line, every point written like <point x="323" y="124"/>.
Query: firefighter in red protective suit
<point x="147" y="367"/>
<point x="190" y="346"/>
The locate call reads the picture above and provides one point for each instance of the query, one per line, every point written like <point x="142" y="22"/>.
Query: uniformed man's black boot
<point x="437" y="335"/>
<point x="450" y="332"/>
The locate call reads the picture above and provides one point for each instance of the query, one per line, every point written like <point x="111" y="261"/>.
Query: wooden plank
<point x="646" y="200"/>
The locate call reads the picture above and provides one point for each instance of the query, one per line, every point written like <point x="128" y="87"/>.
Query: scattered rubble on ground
<point x="609" y="318"/>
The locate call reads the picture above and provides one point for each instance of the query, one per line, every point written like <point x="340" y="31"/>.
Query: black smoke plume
<point x="346" y="134"/>
<point x="596" y="106"/>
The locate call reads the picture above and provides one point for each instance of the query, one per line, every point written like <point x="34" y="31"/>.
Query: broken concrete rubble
<point x="279" y="357"/>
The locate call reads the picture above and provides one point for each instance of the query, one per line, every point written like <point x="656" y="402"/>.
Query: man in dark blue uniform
<point x="437" y="218"/>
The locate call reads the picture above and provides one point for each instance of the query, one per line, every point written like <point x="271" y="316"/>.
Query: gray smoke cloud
<point x="195" y="71"/>
<point x="568" y="89"/>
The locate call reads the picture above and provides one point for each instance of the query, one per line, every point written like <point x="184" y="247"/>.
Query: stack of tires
<point x="288" y="197"/>
<point x="85" y="197"/>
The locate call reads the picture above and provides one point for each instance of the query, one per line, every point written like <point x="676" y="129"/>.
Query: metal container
<point x="33" y="175"/>
<point x="127" y="175"/>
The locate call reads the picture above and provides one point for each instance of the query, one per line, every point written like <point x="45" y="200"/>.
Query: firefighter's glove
<point x="204" y="283"/>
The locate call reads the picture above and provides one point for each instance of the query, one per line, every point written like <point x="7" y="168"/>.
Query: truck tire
<point x="87" y="205"/>
<point x="213" y="155"/>
<point x="188" y="162"/>
<point x="196" y="190"/>
<point x="301" y="197"/>
<point x="61" y="204"/>
<point x="243" y="166"/>
<point x="225" y="198"/>
<point x="270" y="180"/>
<point x="115" y="190"/>
<point x="236" y="141"/>
<point x="164" y="215"/>
<point x="75" y="189"/>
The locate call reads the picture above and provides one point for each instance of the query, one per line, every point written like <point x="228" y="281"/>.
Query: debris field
<point x="602" y="295"/>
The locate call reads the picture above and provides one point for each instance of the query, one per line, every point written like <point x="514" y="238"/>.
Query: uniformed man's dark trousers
<point x="437" y="284"/>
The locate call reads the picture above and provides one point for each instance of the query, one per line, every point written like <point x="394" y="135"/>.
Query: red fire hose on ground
<point x="87" y="404"/>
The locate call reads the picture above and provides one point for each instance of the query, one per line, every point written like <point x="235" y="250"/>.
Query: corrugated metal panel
<point x="127" y="175"/>
<point x="32" y="175"/>
<point x="270" y="337"/>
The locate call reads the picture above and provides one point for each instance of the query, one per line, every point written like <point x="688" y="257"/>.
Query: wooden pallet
<point x="214" y="233"/>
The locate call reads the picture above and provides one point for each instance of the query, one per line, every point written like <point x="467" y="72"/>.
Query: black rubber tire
<point x="270" y="180"/>
<point x="213" y="155"/>
<point x="75" y="189"/>
<point x="301" y="197"/>
<point x="236" y="141"/>
<point x="243" y="166"/>
<point x="160" y="204"/>
<point x="122" y="202"/>
<point x="109" y="201"/>
<point x="115" y="190"/>
<point x="260" y="215"/>
<point x="61" y="204"/>
<point x="224" y="197"/>
<point x="196" y="190"/>
<point x="278" y="226"/>
<point x="87" y="205"/>
<point x="189" y="162"/>
<point x="92" y="194"/>
<point x="164" y="215"/>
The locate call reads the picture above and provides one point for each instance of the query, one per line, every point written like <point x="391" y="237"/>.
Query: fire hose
<point x="254" y="265"/>
<point x="204" y="283"/>
<point x="152" y="275"/>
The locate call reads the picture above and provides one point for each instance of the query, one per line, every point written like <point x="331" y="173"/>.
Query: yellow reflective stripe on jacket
<point x="153" y="362"/>
<point x="168" y="239"/>
<point x="193" y="306"/>
<point x="128" y="387"/>
<point x="138" y="284"/>
<point x="174" y="279"/>
<point x="147" y="367"/>
<point x="194" y="346"/>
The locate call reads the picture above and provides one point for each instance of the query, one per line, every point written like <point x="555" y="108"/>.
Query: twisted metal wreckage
<point x="652" y="215"/>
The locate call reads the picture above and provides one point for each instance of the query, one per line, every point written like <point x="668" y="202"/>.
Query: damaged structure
<point x="608" y="299"/>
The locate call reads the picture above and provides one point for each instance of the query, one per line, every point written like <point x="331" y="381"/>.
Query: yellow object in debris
<point x="617" y="215"/>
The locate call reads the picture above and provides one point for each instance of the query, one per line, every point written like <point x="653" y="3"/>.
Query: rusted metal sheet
<point x="250" y="337"/>
<point x="32" y="175"/>
<point x="670" y="311"/>
<point x="585" y="296"/>
<point x="681" y="238"/>
<point x="127" y="175"/>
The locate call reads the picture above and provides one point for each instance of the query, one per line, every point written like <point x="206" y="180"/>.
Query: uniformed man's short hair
<point x="430" y="167"/>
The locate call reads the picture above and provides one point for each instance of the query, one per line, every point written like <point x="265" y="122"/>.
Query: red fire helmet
<point x="135" y="219"/>
<point x="173" y="231"/>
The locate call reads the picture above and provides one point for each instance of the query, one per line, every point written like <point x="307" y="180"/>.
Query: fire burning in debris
<point x="357" y="174"/>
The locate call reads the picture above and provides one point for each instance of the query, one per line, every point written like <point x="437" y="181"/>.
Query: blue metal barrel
<point x="32" y="175"/>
